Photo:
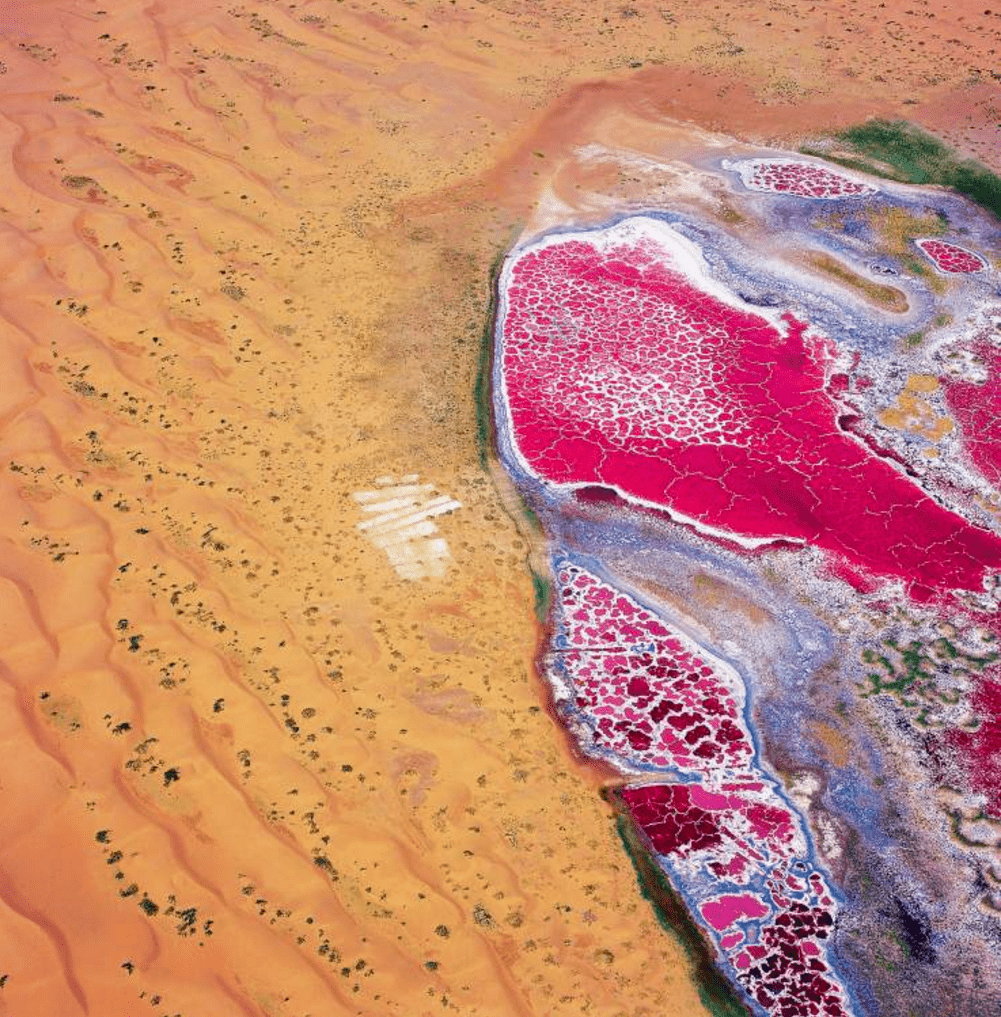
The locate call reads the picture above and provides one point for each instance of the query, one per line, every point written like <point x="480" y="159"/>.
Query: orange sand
<point x="245" y="252"/>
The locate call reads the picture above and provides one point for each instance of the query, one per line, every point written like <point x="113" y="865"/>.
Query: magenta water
<point x="683" y="402"/>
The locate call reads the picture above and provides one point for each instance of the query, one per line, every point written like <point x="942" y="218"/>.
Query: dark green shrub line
<point x="916" y="157"/>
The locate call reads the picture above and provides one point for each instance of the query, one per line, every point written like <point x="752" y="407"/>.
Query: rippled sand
<point x="248" y="766"/>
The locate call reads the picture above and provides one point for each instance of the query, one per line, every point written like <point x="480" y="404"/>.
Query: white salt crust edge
<point x="746" y="168"/>
<point x="686" y="257"/>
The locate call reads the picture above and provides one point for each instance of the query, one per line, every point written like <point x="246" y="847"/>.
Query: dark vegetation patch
<point x="486" y="432"/>
<point x="718" y="996"/>
<point x="916" y="933"/>
<point x="898" y="150"/>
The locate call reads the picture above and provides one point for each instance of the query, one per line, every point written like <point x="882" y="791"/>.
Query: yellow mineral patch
<point x="915" y="414"/>
<point x="837" y="746"/>
<point x="716" y="593"/>
<point x="888" y="297"/>
<point x="923" y="383"/>
<point x="897" y="230"/>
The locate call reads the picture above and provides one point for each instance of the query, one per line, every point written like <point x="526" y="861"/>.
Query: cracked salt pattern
<point x="855" y="473"/>
<point x="770" y="913"/>
<point x="648" y="696"/>
<point x="758" y="451"/>
<point x="611" y="354"/>
<point x="951" y="258"/>
<point x="637" y="690"/>
<point x="799" y="179"/>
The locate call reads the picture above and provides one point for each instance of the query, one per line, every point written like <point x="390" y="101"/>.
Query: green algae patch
<point x="543" y="587"/>
<point x="717" y="995"/>
<point x="483" y="388"/>
<point x="899" y="150"/>
<point x="525" y="518"/>
<point x="924" y="677"/>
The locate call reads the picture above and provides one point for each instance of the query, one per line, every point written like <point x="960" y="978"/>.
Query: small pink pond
<point x="799" y="179"/>
<point x="722" y="912"/>
<point x="951" y="258"/>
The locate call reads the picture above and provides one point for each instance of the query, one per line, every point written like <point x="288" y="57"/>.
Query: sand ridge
<point x="245" y="253"/>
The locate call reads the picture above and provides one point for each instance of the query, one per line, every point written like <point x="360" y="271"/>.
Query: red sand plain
<point x="246" y="768"/>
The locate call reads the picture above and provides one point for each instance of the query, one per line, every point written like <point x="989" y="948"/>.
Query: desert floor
<point x="249" y="766"/>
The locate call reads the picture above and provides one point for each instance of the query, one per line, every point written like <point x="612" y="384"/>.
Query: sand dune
<point x="248" y="767"/>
